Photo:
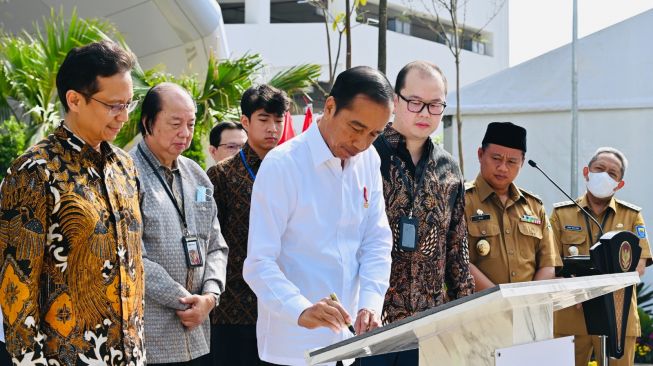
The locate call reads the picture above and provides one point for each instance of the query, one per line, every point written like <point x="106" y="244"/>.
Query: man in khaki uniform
<point x="574" y="234"/>
<point x="510" y="238"/>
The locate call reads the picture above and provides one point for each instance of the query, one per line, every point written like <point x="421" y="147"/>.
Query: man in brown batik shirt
<point x="424" y="192"/>
<point x="233" y="338"/>
<point x="71" y="272"/>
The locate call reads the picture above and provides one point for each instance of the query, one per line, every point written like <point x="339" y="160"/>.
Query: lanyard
<point x="249" y="169"/>
<point x="168" y="190"/>
<point x="412" y="190"/>
<point x="589" y="228"/>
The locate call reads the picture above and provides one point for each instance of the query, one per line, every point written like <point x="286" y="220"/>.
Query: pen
<point x="349" y="326"/>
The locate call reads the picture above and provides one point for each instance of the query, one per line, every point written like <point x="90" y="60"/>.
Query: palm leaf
<point x="644" y="296"/>
<point x="296" y="79"/>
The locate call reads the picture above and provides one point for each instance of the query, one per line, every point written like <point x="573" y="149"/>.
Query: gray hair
<point x="613" y="151"/>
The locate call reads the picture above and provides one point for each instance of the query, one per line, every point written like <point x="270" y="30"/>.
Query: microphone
<point x="587" y="214"/>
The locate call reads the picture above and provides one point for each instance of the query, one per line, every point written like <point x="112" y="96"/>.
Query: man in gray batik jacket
<point x="184" y="254"/>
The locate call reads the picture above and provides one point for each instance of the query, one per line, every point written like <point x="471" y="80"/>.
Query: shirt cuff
<point x="294" y="308"/>
<point x="371" y="300"/>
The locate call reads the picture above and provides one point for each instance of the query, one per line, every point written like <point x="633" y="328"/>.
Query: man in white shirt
<point x="318" y="226"/>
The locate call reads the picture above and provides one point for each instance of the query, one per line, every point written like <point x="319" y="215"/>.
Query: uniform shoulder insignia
<point x="532" y="195"/>
<point x="563" y="204"/>
<point x="469" y="185"/>
<point x="629" y="205"/>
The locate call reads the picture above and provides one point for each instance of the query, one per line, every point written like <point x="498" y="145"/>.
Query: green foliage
<point x="644" y="296"/>
<point x="644" y="344"/>
<point x="29" y="63"/>
<point x="296" y="79"/>
<point x="13" y="141"/>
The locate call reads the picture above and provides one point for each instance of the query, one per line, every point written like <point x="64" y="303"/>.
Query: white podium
<point x="468" y="331"/>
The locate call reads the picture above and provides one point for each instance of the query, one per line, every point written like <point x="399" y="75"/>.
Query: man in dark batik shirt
<point x="424" y="191"/>
<point x="233" y="335"/>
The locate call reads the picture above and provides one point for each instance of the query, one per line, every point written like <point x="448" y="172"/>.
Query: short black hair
<point x="361" y="80"/>
<point x="216" y="132"/>
<point x="422" y="66"/>
<point x="83" y="65"/>
<point x="152" y="106"/>
<point x="271" y="99"/>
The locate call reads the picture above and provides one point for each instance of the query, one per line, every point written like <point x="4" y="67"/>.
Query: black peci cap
<point x="506" y="134"/>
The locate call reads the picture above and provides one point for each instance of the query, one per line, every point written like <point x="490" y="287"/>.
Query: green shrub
<point x="13" y="138"/>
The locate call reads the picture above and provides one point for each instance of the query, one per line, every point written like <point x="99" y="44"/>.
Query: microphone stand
<point x="534" y="165"/>
<point x="603" y="337"/>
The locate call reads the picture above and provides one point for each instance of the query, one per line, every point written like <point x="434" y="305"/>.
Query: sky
<point x="539" y="26"/>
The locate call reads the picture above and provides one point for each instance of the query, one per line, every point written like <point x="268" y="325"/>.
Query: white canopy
<point x="615" y="70"/>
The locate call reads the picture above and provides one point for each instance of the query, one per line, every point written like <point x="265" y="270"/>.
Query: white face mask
<point x="601" y="185"/>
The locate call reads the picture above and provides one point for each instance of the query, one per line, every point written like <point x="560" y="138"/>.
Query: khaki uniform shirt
<point x="519" y="234"/>
<point x="571" y="231"/>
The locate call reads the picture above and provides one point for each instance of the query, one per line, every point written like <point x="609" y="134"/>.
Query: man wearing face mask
<point x="575" y="234"/>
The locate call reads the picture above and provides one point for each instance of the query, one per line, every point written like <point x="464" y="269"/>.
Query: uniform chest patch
<point x="573" y="228"/>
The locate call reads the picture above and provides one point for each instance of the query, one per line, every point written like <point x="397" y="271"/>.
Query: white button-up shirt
<point x="315" y="228"/>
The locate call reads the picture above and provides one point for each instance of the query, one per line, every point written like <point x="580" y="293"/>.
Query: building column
<point x="257" y="11"/>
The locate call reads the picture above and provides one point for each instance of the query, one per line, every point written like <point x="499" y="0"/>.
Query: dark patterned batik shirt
<point x="71" y="273"/>
<point x="232" y="191"/>
<point x="439" y="269"/>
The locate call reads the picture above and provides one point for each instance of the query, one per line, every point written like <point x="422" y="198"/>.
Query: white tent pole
<point x="574" y="105"/>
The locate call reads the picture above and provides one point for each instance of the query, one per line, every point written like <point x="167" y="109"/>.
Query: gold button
<point x="513" y="274"/>
<point x="483" y="232"/>
<point x="483" y="247"/>
<point x="573" y="250"/>
<point x="507" y="231"/>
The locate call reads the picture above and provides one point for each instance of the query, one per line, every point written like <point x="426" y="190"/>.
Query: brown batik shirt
<point x="439" y="268"/>
<point x="232" y="190"/>
<point x="71" y="273"/>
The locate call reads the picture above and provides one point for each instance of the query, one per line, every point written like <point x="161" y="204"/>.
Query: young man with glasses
<point x="424" y="195"/>
<point x="70" y="226"/>
<point x="233" y="337"/>
<point x="226" y="139"/>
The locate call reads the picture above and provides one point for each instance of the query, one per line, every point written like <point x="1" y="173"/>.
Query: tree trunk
<point x="328" y="37"/>
<point x="459" y="121"/>
<point x="348" y="31"/>
<point x="383" y="27"/>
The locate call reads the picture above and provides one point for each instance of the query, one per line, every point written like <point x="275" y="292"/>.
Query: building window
<point x="233" y="13"/>
<point x="293" y="11"/>
<point x="399" y="26"/>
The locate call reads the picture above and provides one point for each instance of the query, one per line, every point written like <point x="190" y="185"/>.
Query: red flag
<point x="308" y="118"/>
<point x="288" y="131"/>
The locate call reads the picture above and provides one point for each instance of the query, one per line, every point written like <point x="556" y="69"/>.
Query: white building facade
<point x="291" y="32"/>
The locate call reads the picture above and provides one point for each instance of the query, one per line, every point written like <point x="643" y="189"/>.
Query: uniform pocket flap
<point x="572" y="237"/>
<point x="482" y="229"/>
<point x="529" y="229"/>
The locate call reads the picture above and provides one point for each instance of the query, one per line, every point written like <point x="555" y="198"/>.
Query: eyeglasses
<point x="417" y="106"/>
<point x="115" y="109"/>
<point x="232" y="146"/>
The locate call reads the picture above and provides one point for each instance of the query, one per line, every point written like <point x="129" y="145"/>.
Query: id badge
<point x="408" y="233"/>
<point x="192" y="249"/>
